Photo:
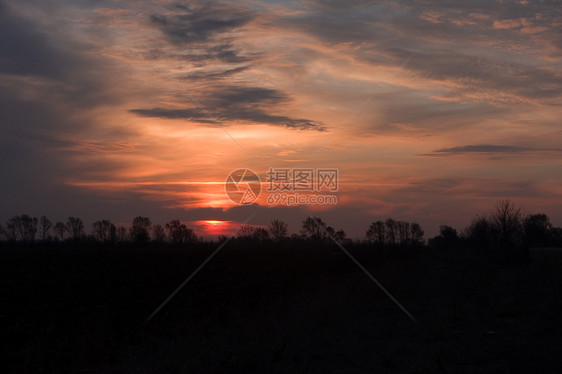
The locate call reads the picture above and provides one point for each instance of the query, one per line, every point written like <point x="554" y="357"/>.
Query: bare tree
<point x="45" y="227"/>
<point x="113" y="234"/>
<point x="340" y="236"/>
<point x="75" y="227"/>
<point x="60" y="229"/>
<point x="11" y="229"/>
<point x="30" y="227"/>
<point x="507" y="220"/>
<point x="22" y="226"/>
<point x="120" y="234"/>
<point x="314" y="228"/>
<point x="260" y="234"/>
<point x="179" y="233"/>
<point x="479" y="232"/>
<point x="139" y="229"/>
<point x="391" y="231"/>
<point x="278" y="230"/>
<point x="15" y="227"/>
<point x="416" y="233"/>
<point x="404" y="232"/>
<point x="245" y="232"/>
<point x="102" y="230"/>
<point x="377" y="233"/>
<point x="158" y="233"/>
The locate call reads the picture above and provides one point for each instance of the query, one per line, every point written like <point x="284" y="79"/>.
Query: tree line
<point x="24" y="228"/>
<point x="505" y="227"/>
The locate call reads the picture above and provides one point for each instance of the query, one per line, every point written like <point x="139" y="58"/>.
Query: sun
<point x="214" y="227"/>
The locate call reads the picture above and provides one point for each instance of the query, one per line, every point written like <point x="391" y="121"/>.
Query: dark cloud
<point x="28" y="50"/>
<point x="233" y="96"/>
<point x="207" y="54"/>
<point x="208" y="30"/>
<point x="241" y="104"/>
<point x="200" y="25"/>
<point x="484" y="148"/>
<point x="226" y="53"/>
<point x="257" y="116"/>
<point x="210" y="33"/>
<point x="204" y="75"/>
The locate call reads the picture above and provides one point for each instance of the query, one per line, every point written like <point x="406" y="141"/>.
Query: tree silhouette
<point x="179" y="233"/>
<point x="102" y="230"/>
<point x="404" y="232"/>
<point x="448" y="237"/>
<point x="158" y="233"/>
<point x="245" y="232"/>
<point x="278" y="230"/>
<point x="11" y="230"/>
<point x="507" y="220"/>
<point x="416" y="234"/>
<point x="45" y="227"/>
<point x="313" y="228"/>
<point x="260" y="234"/>
<point x="120" y="234"/>
<point x="377" y="233"/>
<point x="537" y="229"/>
<point x="340" y="236"/>
<point x="60" y="229"/>
<point x="22" y="226"/>
<point x="75" y="227"/>
<point x="139" y="229"/>
<point x="391" y="231"/>
<point x="479" y="233"/>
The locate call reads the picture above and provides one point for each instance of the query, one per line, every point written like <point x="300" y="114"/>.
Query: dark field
<point x="278" y="311"/>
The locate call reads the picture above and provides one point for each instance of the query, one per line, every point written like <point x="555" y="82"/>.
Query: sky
<point x="431" y="111"/>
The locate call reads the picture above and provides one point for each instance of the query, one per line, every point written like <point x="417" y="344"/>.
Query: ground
<point x="278" y="310"/>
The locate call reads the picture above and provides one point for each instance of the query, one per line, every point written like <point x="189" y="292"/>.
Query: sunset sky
<point x="431" y="110"/>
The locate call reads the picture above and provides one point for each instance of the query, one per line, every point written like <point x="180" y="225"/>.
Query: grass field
<point x="267" y="310"/>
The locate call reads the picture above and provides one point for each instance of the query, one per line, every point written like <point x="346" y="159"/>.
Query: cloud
<point x="510" y="23"/>
<point x="236" y="104"/>
<point x="256" y="116"/>
<point x="476" y="58"/>
<point x="483" y="148"/>
<point x="204" y="75"/>
<point x="51" y="82"/>
<point x="200" y="25"/>
<point x="471" y="187"/>
<point x="208" y="30"/>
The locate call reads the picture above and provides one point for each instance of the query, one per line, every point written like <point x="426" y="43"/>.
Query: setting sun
<point x="214" y="227"/>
